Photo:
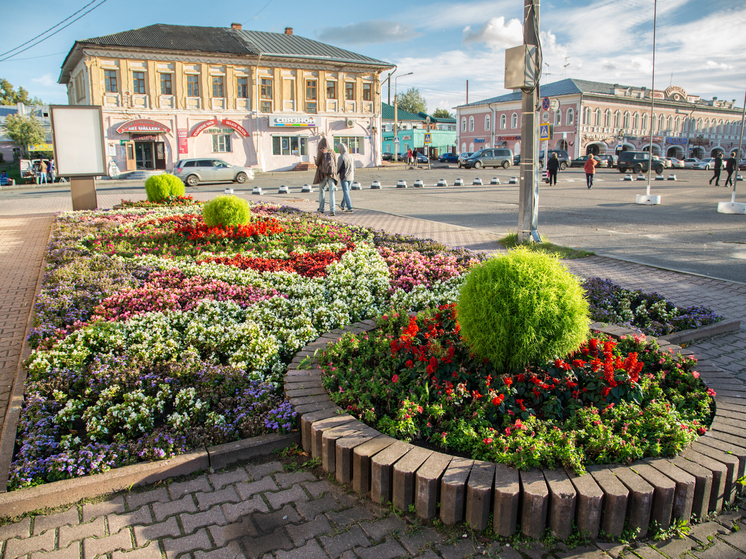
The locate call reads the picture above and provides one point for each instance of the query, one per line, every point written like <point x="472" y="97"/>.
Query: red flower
<point x="488" y="440"/>
<point x="395" y="378"/>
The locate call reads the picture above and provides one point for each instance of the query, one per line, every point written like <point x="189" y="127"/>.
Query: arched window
<point x="597" y="118"/>
<point x="700" y="125"/>
<point x="661" y="123"/>
<point x="463" y="124"/>
<point x="677" y="125"/>
<point x="617" y="119"/>
<point x="463" y="147"/>
<point x="626" y="119"/>
<point x="558" y="118"/>
<point x="645" y="123"/>
<point x="503" y="122"/>
<point x="636" y="121"/>
<point x="487" y="123"/>
<point x="471" y="147"/>
<point x="570" y="117"/>
<point x="587" y="116"/>
<point x="514" y="120"/>
<point x="669" y="124"/>
<point x="720" y="126"/>
<point x="607" y="118"/>
<point x="471" y="124"/>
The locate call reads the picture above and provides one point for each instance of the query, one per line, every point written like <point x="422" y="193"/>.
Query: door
<point x="222" y="172"/>
<point x="144" y="155"/>
<point x="130" y="153"/>
<point x="160" y="156"/>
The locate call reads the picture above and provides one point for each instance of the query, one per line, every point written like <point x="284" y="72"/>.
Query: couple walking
<point x="329" y="172"/>
<point x="730" y="167"/>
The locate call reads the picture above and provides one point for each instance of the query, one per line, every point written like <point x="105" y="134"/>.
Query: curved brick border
<point x="702" y="479"/>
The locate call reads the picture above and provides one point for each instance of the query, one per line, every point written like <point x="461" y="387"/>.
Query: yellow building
<point x="251" y="98"/>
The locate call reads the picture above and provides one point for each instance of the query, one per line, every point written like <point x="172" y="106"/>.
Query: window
<point x="661" y="123"/>
<point x="487" y="122"/>
<point x="587" y="116"/>
<point x="311" y="92"/>
<point x="367" y="92"/>
<point x="514" y="120"/>
<point x="79" y="88"/>
<point x="570" y="117"/>
<point x="289" y="145"/>
<point x="110" y="81"/>
<point x="354" y="143"/>
<point x="265" y="93"/>
<point x="350" y="91"/>
<point x="558" y="118"/>
<point x="636" y="121"/>
<point x="669" y="124"/>
<point x="331" y="90"/>
<point x="218" y="83"/>
<point x="597" y="117"/>
<point x="463" y="124"/>
<point x="471" y="124"/>
<point x="166" y="81"/>
<point x="626" y="119"/>
<point x="138" y="82"/>
<point x="645" y="122"/>
<point x="607" y="117"/>
<point x="221" y="143"/>
<point x="503" y="122"/>
<point x="242" y="85"/>
<point x="192" y="85"/>
<point x="617" y="119"/>
<point x="677" y="125"/>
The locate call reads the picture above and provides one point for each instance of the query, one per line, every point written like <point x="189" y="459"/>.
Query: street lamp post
<point x="396" y="114"/>
<point x="646" y="198"/>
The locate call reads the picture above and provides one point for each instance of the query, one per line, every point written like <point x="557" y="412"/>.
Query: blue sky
<point x="699" y="46"/>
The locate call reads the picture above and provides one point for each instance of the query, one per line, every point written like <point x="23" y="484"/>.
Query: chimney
<point x="288" y="31"/>
<point x="236" y="26"/>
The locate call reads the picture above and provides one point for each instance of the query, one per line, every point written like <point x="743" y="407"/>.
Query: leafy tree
<point x="24" y="130"/>
<point x="9" y="96"/>
<point x="412" y="101"/>
<point x="442" y="113"/>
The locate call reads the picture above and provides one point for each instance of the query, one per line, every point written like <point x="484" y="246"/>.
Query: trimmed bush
<point x="227" y="211"/>
<point x="160" y="187"/>
<point x="522" y="308"/>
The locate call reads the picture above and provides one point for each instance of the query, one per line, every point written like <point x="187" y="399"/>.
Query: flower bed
<point x="155" y="334"/>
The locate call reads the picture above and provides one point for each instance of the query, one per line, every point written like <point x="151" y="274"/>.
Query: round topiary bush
<point x="227" y="211"/>
<point x="520" y="308"/>
<point x="160" y="187"/>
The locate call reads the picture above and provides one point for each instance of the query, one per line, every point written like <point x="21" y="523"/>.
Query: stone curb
<point x="700" y="480"/>
<point x="70" y="491"/>
<point x="708" y="331"/>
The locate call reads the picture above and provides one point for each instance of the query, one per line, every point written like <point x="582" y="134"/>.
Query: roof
<point x="569" y="86"/>
<point x="219" y="40"/>
<point x="387" y="113"/>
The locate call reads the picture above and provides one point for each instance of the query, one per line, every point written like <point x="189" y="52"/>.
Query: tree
<point x="9" y="96"/>
<point x="412" y="101"/>
<point x="442" y="113"/>
<point x="24" y="130"/>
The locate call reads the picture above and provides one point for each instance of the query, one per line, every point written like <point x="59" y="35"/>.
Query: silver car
<point x="195" y="171"/>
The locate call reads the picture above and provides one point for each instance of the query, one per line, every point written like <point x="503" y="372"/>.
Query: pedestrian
<point x="718" y="167"/>
<point x="552" y="168"/>
<point x="42" y="172"/>
<point x="326" y="175"/>
<point x="590" y="170"/>
<point x="50" y="171"/>
<point x="730" y="166"/>
<point x="346" y="172"/>
<point x="409" y="156"/>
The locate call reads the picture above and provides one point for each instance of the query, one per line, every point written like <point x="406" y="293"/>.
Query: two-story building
<point x="601" y="118"/>
<point x="412" y="130"/>
<point x="252" y="98"/>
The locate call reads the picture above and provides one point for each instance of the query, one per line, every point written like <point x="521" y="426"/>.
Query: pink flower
<point x="488" y="440"/>
<point x="711" y="392"/>
<point x="695" y="374"/>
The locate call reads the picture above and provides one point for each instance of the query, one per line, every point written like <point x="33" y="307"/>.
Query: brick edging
<point x="699" y="481"/>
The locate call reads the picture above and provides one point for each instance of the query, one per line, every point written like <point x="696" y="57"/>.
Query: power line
<point x="259" y="12"/>
<point x="40" y="56"/>
<point x="51" y="34"/>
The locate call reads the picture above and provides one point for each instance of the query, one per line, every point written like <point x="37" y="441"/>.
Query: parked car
<point x="742" y="165"/>
<point x="385" y="156"/>
<point x="638" y="162"/>
<point x="675" y="163"/>
<point x="195" y="171"/>
<point x="517" y="159"/>
<point x="448" y="158"/>
<point x="420" y="157"/>
<point x="579" y="161"/>
<point x="463" y="155"/>
<point x="706" y="164"/>
<point x="690" y="162"/>
<point x="562" y="155"/>
<point x="610" y="159"/>
<point x="497" y="157"/>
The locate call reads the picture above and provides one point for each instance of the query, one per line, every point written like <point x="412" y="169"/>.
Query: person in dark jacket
<point x="718" y="167"/>
<point x="552" y="168"/>
<point x="730" y="166"/>
<point x="346" y="176"/>
<point x="326" y="179"/>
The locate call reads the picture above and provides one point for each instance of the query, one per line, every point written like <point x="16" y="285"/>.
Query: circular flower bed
<point x="415" y="379"/>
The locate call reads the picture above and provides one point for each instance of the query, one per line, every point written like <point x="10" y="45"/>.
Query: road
<point x="684" y="233"/>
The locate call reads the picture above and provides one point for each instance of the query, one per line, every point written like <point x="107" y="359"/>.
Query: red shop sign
<point x="143" y="125"/>
<point x="237" y="127"/>
<point x="202" y="126"/>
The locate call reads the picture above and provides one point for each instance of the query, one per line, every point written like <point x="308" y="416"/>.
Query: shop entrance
<point x="150" y="155"/>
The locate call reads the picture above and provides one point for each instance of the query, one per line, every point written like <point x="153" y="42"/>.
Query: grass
<point x="563" y="252"/>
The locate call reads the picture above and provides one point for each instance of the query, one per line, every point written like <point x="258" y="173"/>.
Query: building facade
<point x="257" y="99"/>
<point x="412" y="130"/>
<point x="601" y="118"/>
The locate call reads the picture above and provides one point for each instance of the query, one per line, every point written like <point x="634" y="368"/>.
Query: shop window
<point x="242" y="85"/>
<point x="265" y="93"/>
<point x="166" y="84"/>
<point x="289" y="145"/>
<point x="218" y="83"/>
<point x="192" y="85"/>
<point x="331" y="90"/>
<point x="110" y="81"/>
<point x="138" y="83"/>
<point x="349" y="91"/>
<point x="367" y="92"/>
<point x="354" y="143"/>
<point x="221" y="143"/>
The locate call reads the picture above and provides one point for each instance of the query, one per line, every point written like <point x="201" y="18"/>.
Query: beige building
<point x="251" y="98"/>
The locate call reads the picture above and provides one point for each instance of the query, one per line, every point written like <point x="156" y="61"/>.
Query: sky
<point x="699" y="46"/>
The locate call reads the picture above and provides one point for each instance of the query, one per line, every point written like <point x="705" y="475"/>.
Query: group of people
<point x="730" y="168"/>
<point x="331" y="171"/>
<point x="589" y="167"/>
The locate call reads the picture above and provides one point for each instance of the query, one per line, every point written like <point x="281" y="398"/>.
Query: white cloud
<point x="712" y="65"/>
<point x="45" y="80"/>
<point x="496" y="33"/>
<point x="368" y="32"/>
<point x="447" y="15"/>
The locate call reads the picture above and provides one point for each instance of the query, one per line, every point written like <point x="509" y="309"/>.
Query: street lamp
<point x="396" y="112"/>
<point x="647" y="199"/>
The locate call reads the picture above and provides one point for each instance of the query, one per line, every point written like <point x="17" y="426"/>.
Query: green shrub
<point x="521" y="308"/>
<point x="160" y="187"/>
<point x="227" y="211"/>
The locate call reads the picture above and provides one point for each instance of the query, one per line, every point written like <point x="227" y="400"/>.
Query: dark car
<point x="579" y="161"/>
<point x="562" y="155"/>
<point x="385" y="156"/>
<point x="638" y="162"/>
<point x="517" y="159"/>
<point x="448" y="158"/>
<point x="609" y="158"/>
<point x="462" y="156"/>
<point x="421" y="157"/>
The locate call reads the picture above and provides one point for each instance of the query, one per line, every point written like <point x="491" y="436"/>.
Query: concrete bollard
<point x="229" y="190"/>
<point x="306" y="188"/>
<point x="355" y="186"/>
<point x="513" y="180"/>
<point x="495" y="180"/>
<point x="640" y="177"/>
<point x="672" y="177"/>
<point x="477" y="181"/>
<point x="375" y="185"/>
<point x="418" y="183"/>
<point x="458" y="182"/>
<point x="257" y="190"/>
<point x="659" y="177"/>
<point x="627" y="177"/>
<point x="401" y="184"/>
<point x="442" y="182"/>
<point x="283" y="190"/>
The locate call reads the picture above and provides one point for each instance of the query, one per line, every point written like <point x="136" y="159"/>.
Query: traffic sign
<point x="428" y="139"/>
<point x="544" y="132"/>
<point x="545" y="116"/>
<point x="545" y="103"/>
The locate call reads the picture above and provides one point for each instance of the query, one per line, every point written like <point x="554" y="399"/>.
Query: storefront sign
<point x="40" y="147"/>
<point x="145" y="138"/>
<point x="479" y="140"/>
<point x="197" y="130"/>
<point x="219" y="131"/>
<point x="406" y="137"/>
<point x="183" y="141"/>
<point x="237" y="127"/>
<point x="143" y="125"/>
<point x="306" y="121"/>
<point x="505" y="138"/>
<point x="676" y="141"/>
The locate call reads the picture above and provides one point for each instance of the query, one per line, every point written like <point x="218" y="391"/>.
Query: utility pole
<point x="529" y="185"/>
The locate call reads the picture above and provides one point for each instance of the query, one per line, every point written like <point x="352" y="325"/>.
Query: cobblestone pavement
<point x="275" y="509"/>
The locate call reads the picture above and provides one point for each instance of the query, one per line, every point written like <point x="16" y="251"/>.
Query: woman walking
<point x="590" y="170"/>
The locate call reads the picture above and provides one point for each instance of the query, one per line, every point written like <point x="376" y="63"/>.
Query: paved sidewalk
<point x="276" y="510"/>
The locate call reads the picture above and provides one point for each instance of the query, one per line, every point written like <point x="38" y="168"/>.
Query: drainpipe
<point x="493" y="126"/>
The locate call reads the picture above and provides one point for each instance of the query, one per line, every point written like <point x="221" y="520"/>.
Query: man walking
<point x="718" y="167"/>
<point x="590" y="170"/>
<point x="326" y="175"/>
<point x="730" y="167"/>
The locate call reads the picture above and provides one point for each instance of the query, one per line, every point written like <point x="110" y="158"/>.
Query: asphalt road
<point x="684" y="233"/>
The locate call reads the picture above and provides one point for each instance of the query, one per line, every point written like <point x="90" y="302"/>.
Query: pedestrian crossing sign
<point x="428" y="138"/>
<point x="545" y="132"/>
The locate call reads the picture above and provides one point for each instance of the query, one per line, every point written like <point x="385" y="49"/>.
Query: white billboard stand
<point x="79" y="150"/>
